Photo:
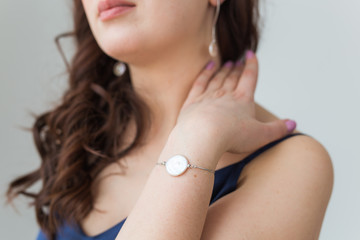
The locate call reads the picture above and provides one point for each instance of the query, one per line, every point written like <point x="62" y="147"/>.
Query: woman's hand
<point x="223" y="109"/>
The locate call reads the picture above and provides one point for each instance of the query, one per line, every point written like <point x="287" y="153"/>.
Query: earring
<point x="119" y="68"/>
<point x="212" y="47"/>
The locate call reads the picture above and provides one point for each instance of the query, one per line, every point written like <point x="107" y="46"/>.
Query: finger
<point x="233" y="78"/>
<point x="217" y="81"/>
<point x="247" y="83"/>
<point x="278" y="129"/>
<point x="201" y="82"/>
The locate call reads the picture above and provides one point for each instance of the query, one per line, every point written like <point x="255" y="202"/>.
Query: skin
<point x="172" y="32"/>
<point x="293" y="180"/>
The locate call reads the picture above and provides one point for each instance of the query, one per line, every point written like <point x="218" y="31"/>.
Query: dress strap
<point x="226" y="178"/>
<point x="268" y="146"/>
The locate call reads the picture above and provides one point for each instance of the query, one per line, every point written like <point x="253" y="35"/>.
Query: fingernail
<point x="228" y="64"/>
<point x="291" y="125"/>
<point x="210" y="65"/>
<point x="249" y="54"/>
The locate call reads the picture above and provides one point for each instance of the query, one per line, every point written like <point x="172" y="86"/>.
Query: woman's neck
<point x="165" y="83"/>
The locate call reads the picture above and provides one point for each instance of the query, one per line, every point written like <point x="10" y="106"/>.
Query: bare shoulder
<point x="281" y="194"/>
<point x="302" y="154"/>
<point x="296" y="153"/>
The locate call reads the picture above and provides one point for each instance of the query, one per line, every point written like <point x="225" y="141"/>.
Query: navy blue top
<point x="224" y="182"/>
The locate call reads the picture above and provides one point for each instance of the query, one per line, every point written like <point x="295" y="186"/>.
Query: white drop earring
<point x="119" y="68"/>
<point x="213" y="50"/>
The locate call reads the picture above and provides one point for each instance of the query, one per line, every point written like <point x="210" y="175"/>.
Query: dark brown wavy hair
<point x="84" y="133"/>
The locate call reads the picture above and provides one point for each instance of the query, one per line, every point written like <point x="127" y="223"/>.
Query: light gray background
<point x="309" y="60"/>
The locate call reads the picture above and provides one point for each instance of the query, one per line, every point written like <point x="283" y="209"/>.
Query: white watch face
<point x="176" y="165"/>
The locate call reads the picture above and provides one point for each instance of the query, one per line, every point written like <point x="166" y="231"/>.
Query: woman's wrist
<point x="201" y="148"/>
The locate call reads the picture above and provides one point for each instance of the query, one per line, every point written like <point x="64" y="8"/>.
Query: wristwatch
<point x="178" y="164"/>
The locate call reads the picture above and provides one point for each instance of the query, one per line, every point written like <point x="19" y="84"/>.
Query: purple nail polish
<point x="228" y="64"/>
<point x="249" y="54"/>
<point x="210" y="65"/>
<point x="291" y="125"/>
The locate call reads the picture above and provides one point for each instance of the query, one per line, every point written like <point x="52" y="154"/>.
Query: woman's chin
<point x="136" y="51"/>
<point x="122" y="52"/>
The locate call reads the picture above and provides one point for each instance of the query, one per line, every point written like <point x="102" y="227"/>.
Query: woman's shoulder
<point x="297" y="177"/>
<point x="284" y="192"/>
<point x="302" y="153"/>
<point x="301" y="156"/>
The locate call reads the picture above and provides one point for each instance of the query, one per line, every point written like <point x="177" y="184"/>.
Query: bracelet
<point x="178" y="164"/>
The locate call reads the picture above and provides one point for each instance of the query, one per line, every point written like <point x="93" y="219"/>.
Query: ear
<point x="214" y="2"/>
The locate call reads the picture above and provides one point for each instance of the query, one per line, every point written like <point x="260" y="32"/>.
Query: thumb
<point x="278" y="129"/>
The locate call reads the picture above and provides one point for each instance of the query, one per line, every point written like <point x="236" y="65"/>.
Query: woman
<point x="185" y="95"/>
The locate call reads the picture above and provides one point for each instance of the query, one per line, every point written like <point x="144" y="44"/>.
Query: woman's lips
<point x="109" y="9"/>
<point x="114" y="12"/>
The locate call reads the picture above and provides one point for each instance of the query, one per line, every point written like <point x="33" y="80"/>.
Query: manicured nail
<point x="210" y="65"/>
<point x="291" y="125"/>
<point x="249" y="54"/>
<point x="228" y="64"/>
